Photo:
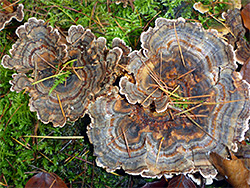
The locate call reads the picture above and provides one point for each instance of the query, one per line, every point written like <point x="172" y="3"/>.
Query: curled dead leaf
<point x="233" y="170"/>
<point x="161" y="183"/>
<point x="245" y="14"/>
<point x="245" y="71"/>
<point x="44" y="180"/>
<point x="181" y="181"/>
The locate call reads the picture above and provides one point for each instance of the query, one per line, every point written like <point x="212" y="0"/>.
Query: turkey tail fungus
<point x="59" y="76"/>
<point x="181" y="100"/>
<point x="9" y="11"/>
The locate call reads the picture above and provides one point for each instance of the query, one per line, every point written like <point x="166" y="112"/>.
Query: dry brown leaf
<point x="245" y="14"/>
<point x="162" y="183"/>
<point x="201" y="8"/>
<point x="245" y="71"/>
<point x="181" y="181"/>
<point x="233" y="170"/>
<point x="45" y="180"/>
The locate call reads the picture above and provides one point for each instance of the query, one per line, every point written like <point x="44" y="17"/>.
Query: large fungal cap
<point x="10" y="11"/>
<point x="160" y="66"/>
<point x="39" y="50"/>
<point x="178" y="109"/>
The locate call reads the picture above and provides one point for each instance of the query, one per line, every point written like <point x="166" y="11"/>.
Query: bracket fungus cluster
<point x="10" y="11"/>
<point x="39" y="56"/>
<point x="181" y="100"/>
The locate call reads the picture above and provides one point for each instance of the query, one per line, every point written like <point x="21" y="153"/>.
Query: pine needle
<point x="149" y="96"/>
<point x="185" y="74"/>
<point x="190" y="109"/>
<point x="182" y="58"/>
<point x="126" y="141"/>
<point x="159" y="151"/>
<point x="57" y="137"/>
<point x="61" y="106"/>
<point x="49" y="77"/>
<point x="194" y="122"/>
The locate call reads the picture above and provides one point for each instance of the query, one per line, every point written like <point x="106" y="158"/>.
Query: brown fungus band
<point x="9" y="11"/>
<point x="84" y="59"/>
<point x="183" y="99"/>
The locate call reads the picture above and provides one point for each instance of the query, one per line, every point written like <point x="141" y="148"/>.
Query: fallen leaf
<point x="45" y="180"/>
<point x="245" y="71"/>
<point x="181" y="181"/>
<point x="245" y="14"/>
<point x="234" y="170"/>
<point x="162" y="183"/>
